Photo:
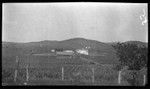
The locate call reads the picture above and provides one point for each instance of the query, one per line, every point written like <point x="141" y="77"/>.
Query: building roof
<point x="64" y="53"/>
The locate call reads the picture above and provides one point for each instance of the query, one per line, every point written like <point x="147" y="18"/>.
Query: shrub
<point x="7" y="74"/>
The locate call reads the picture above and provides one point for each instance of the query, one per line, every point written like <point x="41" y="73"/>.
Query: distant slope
<point x="139" y="43"/>
<point x="98" y="51"/>
<point x="76" y="43"/>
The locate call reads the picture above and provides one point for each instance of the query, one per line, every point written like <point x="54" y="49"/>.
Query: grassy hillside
<point x="96" y="48"/>
<point x="139" y="43"/>
<point x="99" y="52"/>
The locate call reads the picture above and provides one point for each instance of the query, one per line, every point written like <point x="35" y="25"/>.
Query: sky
<point x="104" y="22"/>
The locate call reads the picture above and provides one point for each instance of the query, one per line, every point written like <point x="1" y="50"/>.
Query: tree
<point x="132" y="56"/>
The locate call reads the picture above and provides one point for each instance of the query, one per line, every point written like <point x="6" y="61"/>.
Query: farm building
<point x="82" y="51"/>
<point x="65" y="53"/>
<point x="52" y="50"/>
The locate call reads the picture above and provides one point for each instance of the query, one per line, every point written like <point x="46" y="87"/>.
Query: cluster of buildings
<point x="72" y="52"/>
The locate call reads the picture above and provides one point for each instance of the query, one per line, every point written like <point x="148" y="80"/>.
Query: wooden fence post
<point x="15" y="75"/>
<point x="119" y="77"/>
<point x="144" y="80"/>
<point x="27" y="74"/>
<point x="62" y="73"/>
<point x="93" y="75"/>
<point x="16" y="70"/>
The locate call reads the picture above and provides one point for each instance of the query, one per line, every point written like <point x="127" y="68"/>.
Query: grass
<point x="47" y="70"/>
<point x="74" y="74"/>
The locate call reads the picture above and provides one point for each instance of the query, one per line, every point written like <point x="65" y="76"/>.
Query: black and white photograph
<point x="75" y="43"/>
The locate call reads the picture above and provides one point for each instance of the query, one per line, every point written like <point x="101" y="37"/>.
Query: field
<point x="49" y="68"/>
<point x="59" y="70"/>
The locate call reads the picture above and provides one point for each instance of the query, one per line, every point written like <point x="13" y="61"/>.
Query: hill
<point x="46" y="46"/>
<point x="98" y="50"/>
<point x="138" y="43"/>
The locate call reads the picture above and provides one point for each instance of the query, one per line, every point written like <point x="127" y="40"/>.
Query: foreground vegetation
<point x="133" y="60"/>
<point x="47" y="70"/>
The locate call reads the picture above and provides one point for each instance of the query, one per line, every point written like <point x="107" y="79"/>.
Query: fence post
<point x="62" y="73"/>
<point x="16" y="70"/>
<point x="15" y="75"/>
<point x="27" y="74"/>
<point x="93" y="75"/>
<point x="119" y="77"/>
<point x="144" y="80"/>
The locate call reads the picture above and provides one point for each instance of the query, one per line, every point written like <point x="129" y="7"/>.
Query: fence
<point x="76" y="74"/>
<point x="72" y="73"/>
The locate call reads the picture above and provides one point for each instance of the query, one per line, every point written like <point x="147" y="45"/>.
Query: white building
<point x="69" y="51"/>
<point x="65" y="52"/>
<point x="82" y="51"/>
<point x="52" y="50"/>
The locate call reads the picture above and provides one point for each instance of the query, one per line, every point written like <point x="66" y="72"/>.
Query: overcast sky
<point x="105" y="22"/>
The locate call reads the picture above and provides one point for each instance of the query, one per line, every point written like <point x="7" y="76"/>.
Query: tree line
<point x="132" y="56"/>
